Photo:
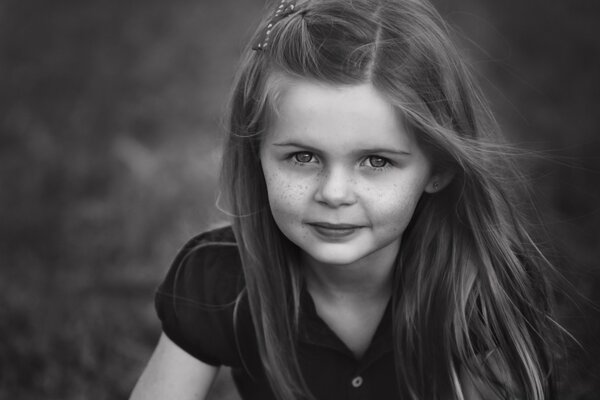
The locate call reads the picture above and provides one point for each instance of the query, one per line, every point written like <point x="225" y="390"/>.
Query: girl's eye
<point x="377" y="162"/>
<point x="303" y="157"/>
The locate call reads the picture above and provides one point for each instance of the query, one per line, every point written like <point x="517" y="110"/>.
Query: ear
<point x="439" y="181"/>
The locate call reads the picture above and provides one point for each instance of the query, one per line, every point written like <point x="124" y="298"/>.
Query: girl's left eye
<point x="377" y="162"/>
<point x="303" y="157"/>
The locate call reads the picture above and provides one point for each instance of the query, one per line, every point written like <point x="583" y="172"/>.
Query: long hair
<point x="469" y="295"/>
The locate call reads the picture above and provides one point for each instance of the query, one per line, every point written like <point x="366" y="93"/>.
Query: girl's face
<point x="343" y="174"/>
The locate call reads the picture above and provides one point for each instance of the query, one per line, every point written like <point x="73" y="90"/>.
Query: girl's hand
<point x="172" y="373"/>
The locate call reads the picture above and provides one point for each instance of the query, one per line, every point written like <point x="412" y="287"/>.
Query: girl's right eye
<point x="303" y="157"/>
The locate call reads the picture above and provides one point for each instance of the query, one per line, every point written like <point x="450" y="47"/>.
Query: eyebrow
<point x="371" y="150"/>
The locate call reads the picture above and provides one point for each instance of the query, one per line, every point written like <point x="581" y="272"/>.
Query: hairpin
<point x="286" y="7"/>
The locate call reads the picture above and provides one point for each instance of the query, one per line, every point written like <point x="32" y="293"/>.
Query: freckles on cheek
<point x="286" y="201"/>
<point x="284" y="194"/>
<point x="393" y="206"/>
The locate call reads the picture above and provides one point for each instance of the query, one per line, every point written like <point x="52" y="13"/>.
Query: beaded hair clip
<point x="286" y="7"/>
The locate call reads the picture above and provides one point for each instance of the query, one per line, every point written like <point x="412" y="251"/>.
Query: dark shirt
<point x="196" y="305"/>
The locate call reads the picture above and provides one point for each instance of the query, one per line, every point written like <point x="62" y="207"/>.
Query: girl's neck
<point x="365" y="280"/>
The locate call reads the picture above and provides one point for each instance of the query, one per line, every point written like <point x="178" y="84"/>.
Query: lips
<point x="334" y="231"/>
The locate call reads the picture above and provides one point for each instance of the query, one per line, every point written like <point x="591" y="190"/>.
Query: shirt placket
<point x="357" y="387"/>
<point x="358" y="381"/>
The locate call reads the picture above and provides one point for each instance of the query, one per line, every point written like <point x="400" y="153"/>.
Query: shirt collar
<point x="314" y="331"/>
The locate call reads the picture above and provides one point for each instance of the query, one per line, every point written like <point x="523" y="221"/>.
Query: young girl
<point x="375" y="251"/>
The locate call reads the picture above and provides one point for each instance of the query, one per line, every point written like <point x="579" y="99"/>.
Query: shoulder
<point x="196" y="301"/>
<point x="207" y="270"/>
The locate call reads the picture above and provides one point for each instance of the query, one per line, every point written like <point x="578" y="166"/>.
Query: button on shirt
<point x="196" y="304"/>
<point x="357" y="382"/>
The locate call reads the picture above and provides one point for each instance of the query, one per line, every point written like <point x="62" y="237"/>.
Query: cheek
<point x="285" y="194"/>
<point x="394" y="205"/>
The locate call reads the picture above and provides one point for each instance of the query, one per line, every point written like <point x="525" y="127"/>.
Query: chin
<point x="338" y="257"/>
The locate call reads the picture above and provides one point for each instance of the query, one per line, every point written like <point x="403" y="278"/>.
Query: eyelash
<point x="367" y="159"/>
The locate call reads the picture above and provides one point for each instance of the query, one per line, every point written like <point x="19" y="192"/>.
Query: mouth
<point x="327" y="225"/>
<point x="334" y="231"/>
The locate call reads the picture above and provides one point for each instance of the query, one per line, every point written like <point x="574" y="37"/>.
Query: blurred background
<point x="110" y="129"/>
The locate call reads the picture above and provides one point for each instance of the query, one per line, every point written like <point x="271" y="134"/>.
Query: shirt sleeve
<point x="197" y="298"/>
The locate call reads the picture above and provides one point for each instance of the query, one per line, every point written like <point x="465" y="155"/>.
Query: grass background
<point x="110" y="126"/>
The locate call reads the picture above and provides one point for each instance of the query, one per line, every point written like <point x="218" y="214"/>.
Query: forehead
<point x="340" y="115"/>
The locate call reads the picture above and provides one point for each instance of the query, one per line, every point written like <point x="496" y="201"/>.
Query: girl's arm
<point x="171" y="373"/>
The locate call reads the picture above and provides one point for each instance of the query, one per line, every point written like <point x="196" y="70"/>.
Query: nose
<point x="336" y="188"/>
